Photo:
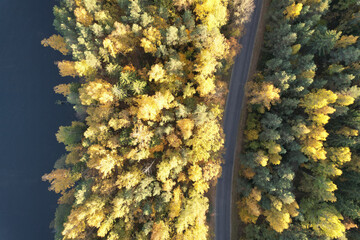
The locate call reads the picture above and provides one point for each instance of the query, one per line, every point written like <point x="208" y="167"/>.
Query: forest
<point x="300" y="162"/>
<point x="148" y="82"/>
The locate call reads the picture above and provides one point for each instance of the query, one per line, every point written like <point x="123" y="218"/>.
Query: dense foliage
<point x="149" y="100"/>
<point x="300" y="170"/>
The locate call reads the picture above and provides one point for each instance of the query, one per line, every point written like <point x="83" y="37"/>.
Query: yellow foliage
<point x="56" y="42"/>
<point x="263" y="93"/>
<point x="261" y="158"/>
<point x="308" y="74"/>
<point x="247" y="172"/>
<point x="183" y="4"/>
<point x="201" y="186"/>
<point x="63" y="89"/>
<point x="175" y="204"/>
<point x="160" y="231"/>
<point x="345" y="41"/>
<point x="325" y="110"/>
<point x="195" y="173"/>
<point x="278" y="220"/>
<point x="206" y="139"/>
<point x="318" y="133"/>
<point x="61" y="179"/>
<point x="317" y="100"/>
<point x="346" y="131"/>
<point x="320" y="119"/>
<point x="120" y="40"/>
<point x="102" y="159"/>
<point x="129" y="179"/>
<point x="275" y="159"/>
<point x="151" y="40"/>
<point x="173" y="140"/>
<point x="96" y="91"/>
<point x="295" y="48"/>
<point x="157" y="73"/>
<point x="279" y="216"/>
<point x="67" y="68"/>
<point x="121" y="121"/>
<point x="273" y="147"/>
<point x="168" y="185"/>
<point x="314" y="149"/>
<point x="83" y="17"/>
<point x="339" y="155"/>
<point x="141" y="135"/>
<point x="186" y="126"/>
<point x="206" y="85"/>
<point x="83" y="69"/>
<point x="67" y="197"/>
<point x="252" y="134"/>
<point x="345" y="100"/>
<point x="292" y="208"/>
<point x="293" y="10"/>
<point x="249" y="209"/>
<point x="212" y="13"/>
<point x="75" y="226"/>
<point x="149" y="107"/>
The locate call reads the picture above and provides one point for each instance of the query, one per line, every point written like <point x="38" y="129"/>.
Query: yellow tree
<point x="345" y="41"/>
<point x="120" y="40"/>
<point x="151" y="40"/>
<point x="57" y="42"/>
<point x="63" y="89"/>
<point x="67" y="68"/>
<point x="293" y="10"/>
<point x="186" y="126"/>
<point x="263" y="93"/>
<point x="249" y="208"/>
<point x="160" y="231"/>
<point x="96" y="91"/>
<point x="83" y="17"/>
<point x="175" y="204"/>
<point x="61" y="179"/>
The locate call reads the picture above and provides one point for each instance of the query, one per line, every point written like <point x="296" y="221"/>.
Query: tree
<point x="152" y="40"/>
<point x="186" y="126"/>
<point x="160" y="231"/>
<point x="242" y="11"/>
<point x="71" y="135"/>
<point x="83" y="17"/>
<point x="325" y="220"/>
<point x="67" y="68"/>
<point x="345" y="41"/>
<point x="293" y="10"/>
<point x="249" y="208"/>
<point x="96" y="91"/>
<point x="61" y="180"/>
<point x="63" y="89"/>
<point x="57" y="42"/>
<point x="263" y="93"/>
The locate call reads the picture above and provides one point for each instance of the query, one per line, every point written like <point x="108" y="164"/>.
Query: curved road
<point x="233" y="108"/>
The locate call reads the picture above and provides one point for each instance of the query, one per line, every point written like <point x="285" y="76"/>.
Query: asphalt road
<point x="233" y="109"/>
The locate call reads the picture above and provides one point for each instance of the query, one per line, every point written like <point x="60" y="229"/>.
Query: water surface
<point x="29" y="119"/>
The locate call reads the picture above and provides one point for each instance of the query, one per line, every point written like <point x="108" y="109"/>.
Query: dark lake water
<point x="29" y="119"/>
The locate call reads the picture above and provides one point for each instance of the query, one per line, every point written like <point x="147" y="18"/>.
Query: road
<point x="233" y="109"/>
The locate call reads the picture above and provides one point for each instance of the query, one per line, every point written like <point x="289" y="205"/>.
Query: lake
<point x="29" y="119"/>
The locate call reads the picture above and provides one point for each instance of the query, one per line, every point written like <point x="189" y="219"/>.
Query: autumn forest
<point x="148" y="80"/>
<point x="149" y="96"/>
<point x="299" y="174"/>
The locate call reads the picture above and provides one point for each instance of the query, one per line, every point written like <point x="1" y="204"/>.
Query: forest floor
<point x="235" y="221"/>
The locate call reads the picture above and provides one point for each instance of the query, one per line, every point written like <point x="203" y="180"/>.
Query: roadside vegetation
<point x="300" y="175"/>
<point x="149" y="97"/>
